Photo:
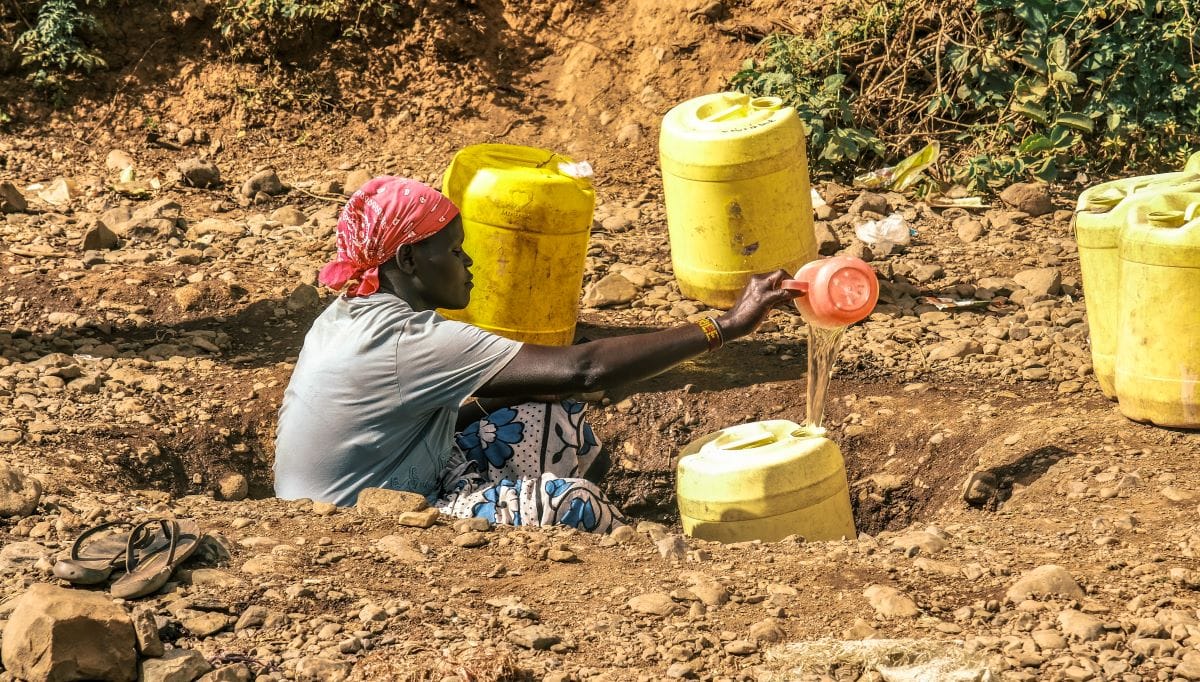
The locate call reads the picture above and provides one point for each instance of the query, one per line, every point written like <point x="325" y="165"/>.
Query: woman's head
<point x="405" y="226"/>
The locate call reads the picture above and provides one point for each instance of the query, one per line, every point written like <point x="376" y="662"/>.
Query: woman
<point x="383" y="381"/>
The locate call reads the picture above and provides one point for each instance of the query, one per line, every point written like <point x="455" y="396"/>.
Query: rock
<point x="149" y="644"/>
<point x="1048" y="580"/>
<point x="981" y="488"/>
<point x="19" y="493"/>
<point x="927" y="273"/>
<point x="870" y="202"/>
<point x="289" y="215"/>
<point x="57" y="634"/>
<point x="969" y="229"/>
<point x="959" y="348"/>
<point x="1189" y="668"/>
<point x="1080" y="626"/>
<point x="424" y="519"/>
<point x="252" y="617"/>
<point x="470" y="539"/>
<point x="1048" y="639"/>
<point x="22" y="554"/>
<point x="118" y="160"/>
<point x="928" y="543"/>
<point x="11" y="199"/>
<point x="1185" y="577"/>
<point x="827" y="240"/>
<point x="655" y="603"/>
<point x="1032" y="198"/>
<point x="238" y="672"/>
<point x="682" y="670"/>
<point x="610" y="290"/>
<point x="177" y="665"/>
<point x="740" y="647"/>
<point x="354" y="180"/>
<point x="400" y="549"/>
<point x="99" y="238"/>
<point x="200" y="173"/>
<point x="203" y="623"/>
<point x="320" y="508"/>
<point x="1040" y="281"/>
<point x="536" y="637"/>
<point x="233" y="487"/>
<point x="672" y="547"/>
<point x="890" y="602"/>
<point x="1149" y="647"/>
<point x="562" y="556"/>
<point x="382" y="502"/>
<point x="767" y="631"/>
<point x="630" y="133"/>
<point x="710" y="592"/>
<point x="314" y="669"/>
<point x="303" y="297"/>
<point x="189" y="296"/>
<point x="859" y="250"/>
<point x="265" y="181"/>
<point x="476" y="523"/>
<point x="1177" y="495"/>
<point x="59" y="192"/>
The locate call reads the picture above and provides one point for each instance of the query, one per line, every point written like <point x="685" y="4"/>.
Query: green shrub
<point x="1011" y="88"/>
<point x="57" y="45"/>
<point x="266" y="28"/>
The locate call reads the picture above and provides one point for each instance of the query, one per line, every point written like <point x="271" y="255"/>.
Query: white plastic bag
<point x="887" y="233"/>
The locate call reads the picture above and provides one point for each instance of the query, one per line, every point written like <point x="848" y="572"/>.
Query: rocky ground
<point x="1012" y="523"/>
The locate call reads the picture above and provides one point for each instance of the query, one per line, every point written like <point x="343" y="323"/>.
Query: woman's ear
<point x="404" y="259"/>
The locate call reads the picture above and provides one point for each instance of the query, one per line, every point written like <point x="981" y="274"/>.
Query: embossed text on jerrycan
<point x="735" y="183"/>
<point x="1157" y="376"/>
<point x="527" y="214"/>
<point x="764" y="481"/>
<point x="1100" y="214"/>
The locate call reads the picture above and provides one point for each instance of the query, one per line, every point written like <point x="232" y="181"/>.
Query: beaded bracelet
<point x="712" y="332"/>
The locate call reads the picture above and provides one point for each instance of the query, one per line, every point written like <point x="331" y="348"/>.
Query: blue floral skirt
<point x="526" y="465"/>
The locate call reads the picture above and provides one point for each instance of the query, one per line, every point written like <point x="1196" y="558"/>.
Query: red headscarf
<point x="385" y="214"/>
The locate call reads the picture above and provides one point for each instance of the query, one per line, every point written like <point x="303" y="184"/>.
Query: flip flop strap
<point x="75" y="546"/>
<point x="139" y="539"/>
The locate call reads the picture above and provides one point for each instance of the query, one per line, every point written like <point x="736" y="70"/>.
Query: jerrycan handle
<point x="1193" y="163"/>
<point x="745" y="438"/>
<point x="741" y="106"/>
<point x="1174" y="218"/>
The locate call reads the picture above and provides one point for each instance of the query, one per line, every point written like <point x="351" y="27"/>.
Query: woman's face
<point x="443" y="269"/>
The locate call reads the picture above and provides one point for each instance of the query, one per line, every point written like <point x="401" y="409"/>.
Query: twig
<point x="322" y="197"/>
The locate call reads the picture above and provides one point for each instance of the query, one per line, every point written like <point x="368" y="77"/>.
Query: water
<point x="823" y="345"/>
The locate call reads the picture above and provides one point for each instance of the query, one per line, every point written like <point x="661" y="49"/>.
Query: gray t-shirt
<point x="374" y="397"/>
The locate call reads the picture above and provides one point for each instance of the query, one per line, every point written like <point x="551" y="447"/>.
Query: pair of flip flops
<point x="149" y="552"/>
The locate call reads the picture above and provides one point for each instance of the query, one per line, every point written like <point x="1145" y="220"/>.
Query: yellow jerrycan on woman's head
<point x="736" y="188"/>
<point x="527" y="215"/>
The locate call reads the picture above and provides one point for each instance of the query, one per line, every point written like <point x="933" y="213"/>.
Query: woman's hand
<point x="756" y="300"/>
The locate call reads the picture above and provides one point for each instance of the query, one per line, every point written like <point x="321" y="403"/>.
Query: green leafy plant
<point x="57" y="45"/>
<point x="262" y="28"/>
<point x="1011" y="88"/>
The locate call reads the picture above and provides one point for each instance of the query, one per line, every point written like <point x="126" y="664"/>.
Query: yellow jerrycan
<point x="764" y="481"/>
<point x="1100" y="214"/>
<point x="735" y="184"/>
<point x="1157" y="375"/>
<point x="527" y="215"/>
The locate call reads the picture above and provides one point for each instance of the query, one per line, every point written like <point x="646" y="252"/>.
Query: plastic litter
<point x="817" y="200"/>
<point x="947" y="303"/>
<point x="904" y="174"/>
<point x="887" y="233"/>
<point x="59" y="192"/>
<point x="578" y="170"/>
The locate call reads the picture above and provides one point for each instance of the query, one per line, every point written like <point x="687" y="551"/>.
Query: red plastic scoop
<point x="835" y="292"/>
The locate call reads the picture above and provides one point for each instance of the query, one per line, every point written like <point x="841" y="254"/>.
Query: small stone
<point x="1047" y="580"/>
<point x="176" y="665"/>
<point x="655" y="603"/>
<point x="252" y="617"/>
<point x="871" y="203"/>
<point x="1189" y="667"/>
<point x="1080" y="626"/>
<point x="354" y="180"/>
<point x="1177" y="495"/>
<point x="1040" y="281"/>
<point x="99" y="238"/>
<point x="57" y="634"/>
<point x="11" y="199"/>
<point x="19" y="493"/>
<point x="611" y="290"/>
<point x="959" y="348"/>
<point x="769" y="631"/>
<point x="927" y="273"/>
<point x="200" y="173"/>
<point x="623" y="534"/>
<point x="471" y="539"/>
<point x="324" y="508"/>
<point x="149" y="644"/>
<point x="682" y="670"/>
<point x="203" y="623"/>
<point x="289" y="216"/>
<point x="233" y="487"/>
<point x="383" y="502"/>
<point x="740" y="647"/>
<point x="372" y="612"/>
<point x="672" y="547"/>
<point x="562" y="556"/>
<point x="315" y="669"/>
<point x="969" y="229"/>
<point x="710" y="592"/>
<point x="238" y="672"/>
<point x="980" y="488"/>
<point x="265" y="181"/>
<point x="419" y="519"/>
<point x="890" y="602"/>
<point x="536" y="637"/>
<point x="827" y="240"/>
<point x="303" y="297"/>
<point x="1032" y="198"/>
<point x="928" y="543"/>
<point x="1185" y="577"/>
<point x="475" y="523"/>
